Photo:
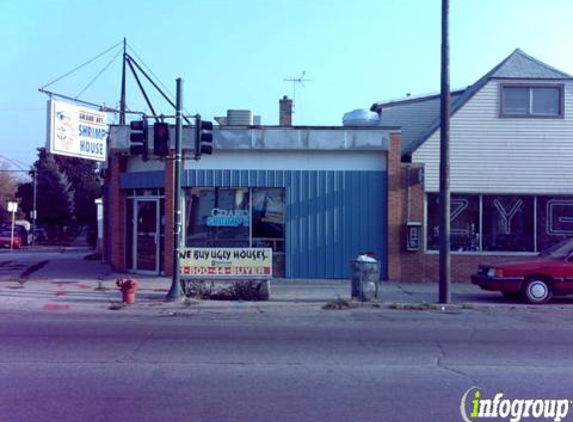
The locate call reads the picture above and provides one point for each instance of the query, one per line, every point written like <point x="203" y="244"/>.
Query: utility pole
<point x="34" y="200"/>
<point x="122" y="106"/>
<point x="175" y="292"/>
<point x="444" y="207"/>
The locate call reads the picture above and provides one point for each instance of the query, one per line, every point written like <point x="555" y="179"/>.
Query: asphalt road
<point x="352" y="365"/>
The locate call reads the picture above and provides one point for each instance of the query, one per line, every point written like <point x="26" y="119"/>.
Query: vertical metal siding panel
<point x="314" y="218"/>
<point x="226" y="178"/>
<point x="280" y="179"/>
<point x="251" y="178"/>
<point x="344" y="218"/>
<point x="290" y="215"/>
<point x="338" y="224"/>
<point x="332" y="226"/>
<point x="320" y="217"/>
<point x="185" y="179"/>
<point x="355" y="212"/>
<point x="303" y="222"/>
<point x="317" y="219"/>
<point x="263" y="178"/>
<point x="368" y="210"/>
<point x="364" y="210"/>
<point x="289" y="245"/>
<point x="244" y="178"/>
<point x="235" y="178"/>
<point x="295" y="224"/>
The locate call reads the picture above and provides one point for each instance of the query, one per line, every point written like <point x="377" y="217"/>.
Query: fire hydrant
<point x="128" y="287"/>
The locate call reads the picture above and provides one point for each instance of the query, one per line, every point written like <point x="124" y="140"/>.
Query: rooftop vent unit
<point x="361" y="117"/>
<point x="239" y="117"/>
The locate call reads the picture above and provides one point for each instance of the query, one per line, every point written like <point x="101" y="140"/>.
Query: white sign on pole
<point x="76" y="131"/>
<point x="12" y="206"/>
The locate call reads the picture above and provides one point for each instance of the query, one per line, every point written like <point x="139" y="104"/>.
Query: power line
<point x="80" y="66"/>
<point x="172" y="99"/>
<point x="151" y="72"/>
<point x="99" y="74"/>
<point x="17" y="163"/>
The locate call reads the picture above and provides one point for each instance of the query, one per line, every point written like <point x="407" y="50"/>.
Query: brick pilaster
<point x="394" y="206"/>
<point x="117" y="233"/>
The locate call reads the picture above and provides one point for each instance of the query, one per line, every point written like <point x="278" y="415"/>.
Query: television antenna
<point x="297" y="81"/>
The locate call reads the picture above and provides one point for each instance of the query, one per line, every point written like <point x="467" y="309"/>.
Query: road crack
<point x="440" y="364"/>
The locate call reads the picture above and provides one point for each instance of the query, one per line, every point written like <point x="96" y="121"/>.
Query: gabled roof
<point x="522" y="66"/>
<point x="413" y="114"/>
<point x="420" y="116"/>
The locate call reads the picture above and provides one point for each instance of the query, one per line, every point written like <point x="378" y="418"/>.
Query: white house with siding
<point x="511" y="160"/>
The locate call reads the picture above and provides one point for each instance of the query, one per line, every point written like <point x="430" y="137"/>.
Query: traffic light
<point x="161" y="139"/>
<point x="203" y="138"/>
<point x="138" y="138"/>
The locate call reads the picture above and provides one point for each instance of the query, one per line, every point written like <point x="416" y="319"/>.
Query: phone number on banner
<point x="225" y="270"/>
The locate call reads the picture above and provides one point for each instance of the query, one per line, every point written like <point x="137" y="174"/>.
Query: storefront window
<point x="464" y="222"/>
<point x="218" y="217"/>
<point x="508" y="223"/>
<point x="554" y="220"/>
<point x="223" y="217"/>
<point x="268" y="218"/>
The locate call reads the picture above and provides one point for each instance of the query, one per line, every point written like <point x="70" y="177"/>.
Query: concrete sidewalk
<point x="68" y="282"/>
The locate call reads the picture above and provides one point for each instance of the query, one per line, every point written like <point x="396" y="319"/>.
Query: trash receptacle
<point x="365" y="273"/>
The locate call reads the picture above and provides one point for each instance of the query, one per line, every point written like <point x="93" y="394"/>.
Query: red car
<point x="6" y="238"/>
<point x="536" y="280"/>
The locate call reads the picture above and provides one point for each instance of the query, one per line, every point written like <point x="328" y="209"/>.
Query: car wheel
<point x="537" y="291"/>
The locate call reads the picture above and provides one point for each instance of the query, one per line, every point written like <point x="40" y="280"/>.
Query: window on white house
<point x="532" y="101"/>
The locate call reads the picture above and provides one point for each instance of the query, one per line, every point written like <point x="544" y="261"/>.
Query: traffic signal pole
<point x="176" y="292"/>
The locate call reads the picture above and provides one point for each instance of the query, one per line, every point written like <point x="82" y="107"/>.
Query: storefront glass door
<point x="147" y="235"/>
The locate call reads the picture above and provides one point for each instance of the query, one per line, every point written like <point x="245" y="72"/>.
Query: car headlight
<point x="495" y="272"/>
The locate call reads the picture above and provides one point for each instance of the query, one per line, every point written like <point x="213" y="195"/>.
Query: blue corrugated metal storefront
<point x="331" y="216"/>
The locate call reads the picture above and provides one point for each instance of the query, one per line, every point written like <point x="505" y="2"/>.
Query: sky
<point x="236" y="54"/>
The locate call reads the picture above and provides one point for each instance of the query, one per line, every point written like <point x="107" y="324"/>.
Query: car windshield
<point x="560" y="250"/>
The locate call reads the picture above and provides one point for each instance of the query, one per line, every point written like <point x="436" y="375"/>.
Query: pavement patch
<point x="32" y="269"/>
<point x="337" y="305"/>
<point x="56" y="307"/>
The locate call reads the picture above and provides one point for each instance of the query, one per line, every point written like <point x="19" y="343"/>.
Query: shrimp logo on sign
<point x="66" y="132"/>
<point x="514" y="410"/>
